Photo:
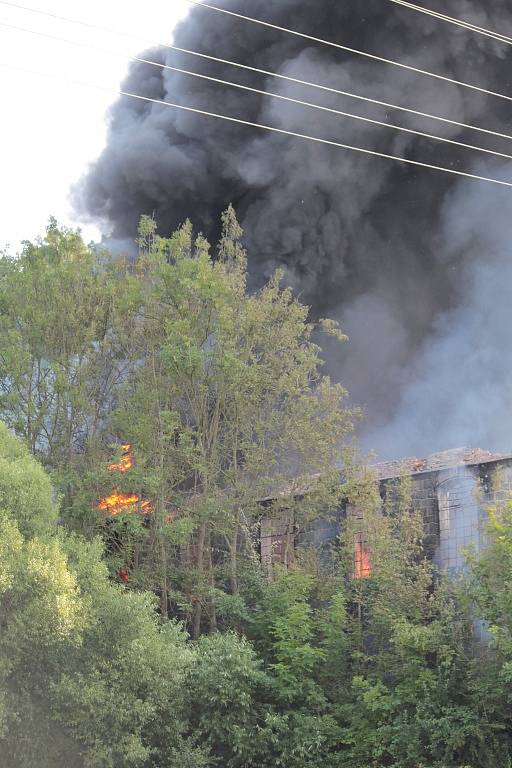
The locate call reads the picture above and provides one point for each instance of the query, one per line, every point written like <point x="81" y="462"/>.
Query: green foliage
<point x="225" y="403"/>
<point x="415" y="699"/>
<point x="203" y="658"/>
<point x="26" y="495"/>
<point x="226" y="686"/>
<point x="238" y="713"/>
<point x="55" y="303"/>
<point x="219" y="391"/>
<point x="284" y="630"/>
<point x="88" y="675"/>
<point x="126" y="679"/>
<point x="40" y="623"/>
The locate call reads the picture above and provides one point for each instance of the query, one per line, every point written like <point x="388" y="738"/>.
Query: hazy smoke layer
<point x="414" y="262"/>
<point x="458" y="387"/>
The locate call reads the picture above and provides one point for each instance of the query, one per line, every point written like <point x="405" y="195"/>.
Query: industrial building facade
<point x="452" y="490"/>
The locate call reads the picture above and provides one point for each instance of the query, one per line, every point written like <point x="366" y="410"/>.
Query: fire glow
<point x="126" y="461"/>
<point x="363" y="565"/>
<point x="118" y="502"/>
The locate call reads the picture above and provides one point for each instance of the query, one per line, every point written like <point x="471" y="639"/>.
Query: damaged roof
<point x="436" y="462"/>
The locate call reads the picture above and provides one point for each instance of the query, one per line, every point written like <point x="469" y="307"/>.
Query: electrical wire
<point x="259" y="91"/>
<point x="262" y="126"/>
<point x="367" y="55"/>
<point x="458" y="22"/>
<point x="265" y="72"/>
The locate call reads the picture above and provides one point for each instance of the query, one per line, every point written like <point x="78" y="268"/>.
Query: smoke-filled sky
<point x="414" y="263"/>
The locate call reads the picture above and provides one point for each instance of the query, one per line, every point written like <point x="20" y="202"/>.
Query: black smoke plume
<point x="413" y="262"/>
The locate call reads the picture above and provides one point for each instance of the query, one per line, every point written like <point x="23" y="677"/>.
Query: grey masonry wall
<point x="453" y="492"/>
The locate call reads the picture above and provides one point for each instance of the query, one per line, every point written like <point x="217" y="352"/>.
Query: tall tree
<point x="226" y="407"/>
<point x="57" y="365"/>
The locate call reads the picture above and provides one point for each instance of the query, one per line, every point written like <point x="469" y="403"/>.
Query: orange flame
<point x="118" y="502"/>
<point x="126" y="462"/>
<point x="363" y="565"/>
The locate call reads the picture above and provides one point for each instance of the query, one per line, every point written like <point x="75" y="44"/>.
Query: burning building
<point x="452" y="490"/>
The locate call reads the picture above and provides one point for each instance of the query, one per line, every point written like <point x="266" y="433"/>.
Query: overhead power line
<point x="256" y="70"/>
<point x="240" y="86"/>
<point x="262" y="126"/>
<point x="341" y="47"/>
<point x="458" y="22"/>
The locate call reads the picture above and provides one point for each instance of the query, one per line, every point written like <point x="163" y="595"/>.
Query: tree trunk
<point x="164" y="594"/>
<point x="211" y="580"/>
<point x="233" y="559"/>
<point x="196" y="618"/>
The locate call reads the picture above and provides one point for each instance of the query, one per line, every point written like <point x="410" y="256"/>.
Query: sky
<point x="51" y="129"/>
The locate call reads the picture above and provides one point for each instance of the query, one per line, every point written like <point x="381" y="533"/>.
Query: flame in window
<point x="363" y="565"/>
